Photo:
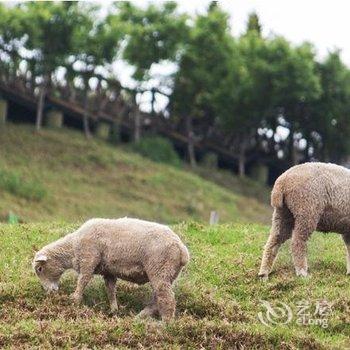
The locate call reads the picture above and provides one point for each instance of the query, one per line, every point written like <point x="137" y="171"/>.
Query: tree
<point x="49" y="29"/>
<point x="331" y="111"/>
<point x="253" y="24"/>
<point x="95" y="46"/>
<point x="12" y="39"/>
<point x="201" y="68"/>
<point x="295" y="85"/>
<point x="243" y="98"/>
<point x="155" y="35"/>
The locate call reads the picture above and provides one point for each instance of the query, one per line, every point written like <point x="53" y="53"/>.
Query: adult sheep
<point x="131" y="249"/>
<point x="305" y="198"/>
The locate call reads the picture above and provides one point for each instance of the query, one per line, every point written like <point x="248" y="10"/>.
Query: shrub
<point x="12" y="218"/>
<point x="13" y="183"/>
<point x="158" y="149"/>
<point x="210" y="161"/>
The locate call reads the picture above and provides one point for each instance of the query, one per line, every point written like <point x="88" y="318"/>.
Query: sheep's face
<point x="48" y="272"/>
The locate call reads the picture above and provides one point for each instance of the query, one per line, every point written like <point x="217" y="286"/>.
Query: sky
<point x="325" y="23"/>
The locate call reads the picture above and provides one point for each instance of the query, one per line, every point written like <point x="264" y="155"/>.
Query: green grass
<point x="59" y="175"/>
<point x="158" y="149"/>
<point x="218" y="296"/>
<point x="14" y="184"/>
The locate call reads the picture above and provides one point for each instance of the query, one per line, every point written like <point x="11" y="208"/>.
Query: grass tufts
<point x="218" y="296"/>
<point x="13" y="183"/>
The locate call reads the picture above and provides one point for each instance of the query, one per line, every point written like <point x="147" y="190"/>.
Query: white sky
<point x="325" y="23"/>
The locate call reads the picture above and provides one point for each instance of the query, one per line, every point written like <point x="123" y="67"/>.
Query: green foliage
<point x="44" y="26"/>
<point x="294" y="76"/>
<point x="154" y="34"/>
<point x="158" y="149"/>
<point x="12" y="218"/>
<point x="15" y="184"/>
<point x="228" y="90"/>
<point x="210" y="161"/>
<point x="202" y="65"/>
<point x="332" y="109"/>
<point x="95" y="42"/>
<point x="254" y="23"/>
<point x="242" y="99"/>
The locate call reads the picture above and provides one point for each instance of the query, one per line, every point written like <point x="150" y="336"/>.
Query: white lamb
<point x="131" y="249"/>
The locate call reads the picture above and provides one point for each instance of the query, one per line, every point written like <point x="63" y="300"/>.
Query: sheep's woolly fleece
<point x="308" y="197"/>
<point x="131" y="249"/>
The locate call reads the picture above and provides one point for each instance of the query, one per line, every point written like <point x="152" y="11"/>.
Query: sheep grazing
<point x="305" y="198"/>
<point x="134" y="250"/>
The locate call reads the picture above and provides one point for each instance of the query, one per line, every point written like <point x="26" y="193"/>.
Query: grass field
<point x="218" y="296"/>
<point x="59" y="175"/>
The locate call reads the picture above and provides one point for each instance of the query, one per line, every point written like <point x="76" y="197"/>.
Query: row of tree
<point x="259" y="97"/>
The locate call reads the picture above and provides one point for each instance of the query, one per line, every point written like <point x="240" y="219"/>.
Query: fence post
<point x="54" y="119"/>
<point x="103" y="130"/>
<point x="3" y="110"/>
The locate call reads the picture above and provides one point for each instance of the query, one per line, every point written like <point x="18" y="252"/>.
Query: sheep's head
<point x="48" y="271"/>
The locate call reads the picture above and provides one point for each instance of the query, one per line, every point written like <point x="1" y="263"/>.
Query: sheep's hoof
<point x="113" y="310"/>
<point x="301" y="273"/>
<point x="167" y="319"/>
<point x="142" y="315"/>
<point x="75" y="298"/>
<point x="146" y="313"/>
<point x="263" y="276"/>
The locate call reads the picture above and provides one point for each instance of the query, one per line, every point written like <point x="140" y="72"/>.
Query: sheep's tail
<point x="277" y="194"/>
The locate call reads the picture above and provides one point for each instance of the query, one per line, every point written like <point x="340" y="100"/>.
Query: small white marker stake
<point x="214" y="217"/>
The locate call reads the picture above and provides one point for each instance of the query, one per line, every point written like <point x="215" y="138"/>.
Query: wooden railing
<point x="103" y="108"/>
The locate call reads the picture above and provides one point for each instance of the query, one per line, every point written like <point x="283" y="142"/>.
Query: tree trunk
<point x="41" y="105"/>
<point x="137" y="126"/>
<point x="86" y="117"/>
<point x="242" y="158"/>
<point x="153" y="101"/>
<point x="291" y="149"/>
<point x="294" y="156"/>
<point x="306" y="150"/>
<point x="326" y="155"/>
<point x="241" y="165"/>
<point x="32" y="81"/>
<point x="190" y="142"/>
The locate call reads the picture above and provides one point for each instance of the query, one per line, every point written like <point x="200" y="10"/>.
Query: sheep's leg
<point x="83" y="280"/>
<point x="88" y="260"/>
<point x="346" y="239"/>
<point x="163" y="293"/>
<point x="162" y="272"/>
<point x="151" y="309"/>
<point x="110" y="283"/>
<point x="165" y="300"/>
<point x="301" y="232"/>
<point x="281" y="230"/>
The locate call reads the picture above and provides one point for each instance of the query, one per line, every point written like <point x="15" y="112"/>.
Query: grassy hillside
<point x="218" y="296"/>
<point x="60" y="175"/>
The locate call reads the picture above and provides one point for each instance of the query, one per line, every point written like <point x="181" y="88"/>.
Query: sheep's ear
<point x="41" y="258"/>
